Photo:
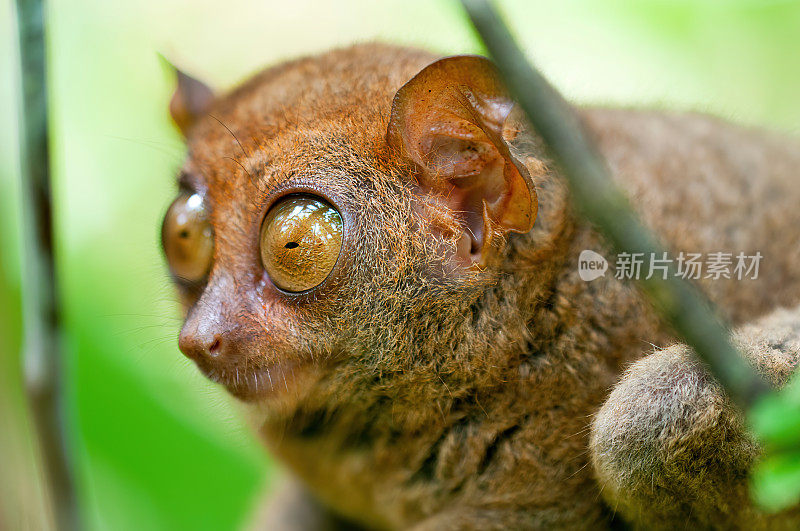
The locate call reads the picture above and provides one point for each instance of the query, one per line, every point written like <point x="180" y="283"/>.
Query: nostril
<point x="215" y="346"/>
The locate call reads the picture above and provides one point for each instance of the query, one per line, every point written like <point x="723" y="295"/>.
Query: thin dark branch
<point x="689" y="313"/>
<point x="42" y="357"/>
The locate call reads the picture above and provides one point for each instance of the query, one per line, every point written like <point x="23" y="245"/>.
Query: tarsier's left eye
<point x="187" y="238"/>
<point x="300" y="242"/>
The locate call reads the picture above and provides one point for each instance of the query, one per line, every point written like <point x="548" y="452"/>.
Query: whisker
<point x="241" y="166"/>
<point x="231" y="132"/>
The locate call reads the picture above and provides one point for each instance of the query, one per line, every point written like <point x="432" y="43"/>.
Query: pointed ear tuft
<point x="448" y="120"/>
<point x="190" y="101"/>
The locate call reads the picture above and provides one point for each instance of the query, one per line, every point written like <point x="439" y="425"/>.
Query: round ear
<point x="448" y="120"/>
<point x="190" y="101"/>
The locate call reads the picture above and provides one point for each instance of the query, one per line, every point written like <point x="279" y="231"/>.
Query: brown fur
<point x="447" y="400"/>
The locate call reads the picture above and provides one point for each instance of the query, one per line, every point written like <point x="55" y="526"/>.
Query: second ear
<point x="190" y="101"/>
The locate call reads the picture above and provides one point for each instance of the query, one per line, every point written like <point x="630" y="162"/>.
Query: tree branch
<point x="689" y="313"/>
<point x="41" y="342"/>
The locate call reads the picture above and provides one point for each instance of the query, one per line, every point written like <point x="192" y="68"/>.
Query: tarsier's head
<point x="341" y="218"/>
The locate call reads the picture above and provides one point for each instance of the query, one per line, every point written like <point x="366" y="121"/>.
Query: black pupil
<point x="184" y="233"/>
<point x="292" y="245"/>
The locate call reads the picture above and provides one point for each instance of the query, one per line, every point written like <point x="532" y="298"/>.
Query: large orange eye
<point x="187" y="238"/>
<point x="300" y="242"/>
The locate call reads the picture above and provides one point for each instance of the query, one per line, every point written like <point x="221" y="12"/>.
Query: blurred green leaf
<point x="775" y="420"/>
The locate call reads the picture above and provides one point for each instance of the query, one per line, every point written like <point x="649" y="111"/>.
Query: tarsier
<point x="376" y="256"/>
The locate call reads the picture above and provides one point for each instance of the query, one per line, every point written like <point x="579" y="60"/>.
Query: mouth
<point x="251" y="383"/>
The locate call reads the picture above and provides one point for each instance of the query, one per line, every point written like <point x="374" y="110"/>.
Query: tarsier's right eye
<point x="300" y="242"/>
<point x="187" y="238"/>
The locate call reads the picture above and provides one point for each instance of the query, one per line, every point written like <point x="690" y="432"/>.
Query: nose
<point x="200" y="345"/>
<point x="216" y="329"/>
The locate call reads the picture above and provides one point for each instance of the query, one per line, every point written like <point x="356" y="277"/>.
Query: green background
<point x="155" y="445"/>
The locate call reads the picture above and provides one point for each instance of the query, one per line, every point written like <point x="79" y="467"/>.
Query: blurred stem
<point x="41" y="340"/>
<point x="603" y="204"/>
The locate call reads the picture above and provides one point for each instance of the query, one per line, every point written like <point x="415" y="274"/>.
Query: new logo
<point x="591" y="265"/>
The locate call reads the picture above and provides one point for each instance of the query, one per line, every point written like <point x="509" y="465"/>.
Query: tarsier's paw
<point x="669" y="449"/>
<point x="667" y="439"/>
